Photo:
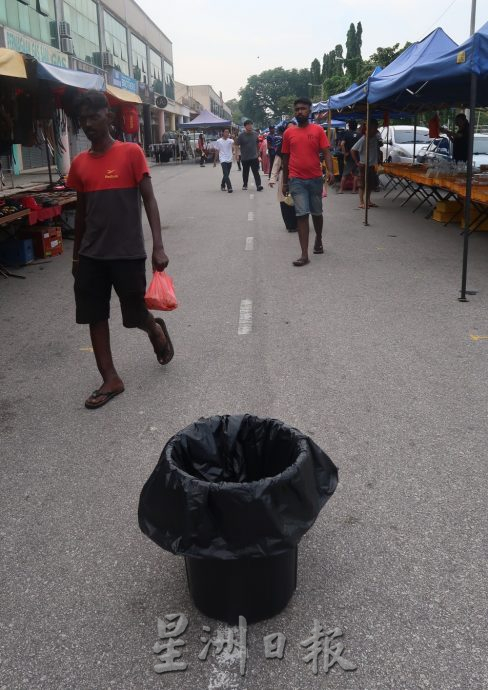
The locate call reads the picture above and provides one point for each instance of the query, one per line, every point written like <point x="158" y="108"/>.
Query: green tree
<point x="333" y="76"/>
<point x="353" y="51"/>
<point x="286" y="107"/>
<point x="259" y="99"/>
<point x="233" y="104"/>
<point x="381" y="58"/>
<point x="315" y="79"/>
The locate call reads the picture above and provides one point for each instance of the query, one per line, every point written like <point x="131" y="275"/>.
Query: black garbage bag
<point x="232" y="487"/>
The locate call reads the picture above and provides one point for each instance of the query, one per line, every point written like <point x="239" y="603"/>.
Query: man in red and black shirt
<point x="110" y="179"/>
<point x="302" y="175"/>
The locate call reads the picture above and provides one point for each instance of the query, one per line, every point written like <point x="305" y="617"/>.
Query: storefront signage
<point x="161" y="101"/>
<point x="124" y="82"/>
<point x="40" y="51"/>
<point x="82" y="66"/>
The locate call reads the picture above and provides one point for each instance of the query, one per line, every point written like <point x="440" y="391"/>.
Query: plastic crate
<point x="16" y="252"/>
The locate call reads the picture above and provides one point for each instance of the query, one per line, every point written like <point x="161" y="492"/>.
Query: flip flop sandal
<point x="105" y="398"/>
<point x="318" y="250"/>
<point x="301" y="262"/>
<point x="168" y="353"/>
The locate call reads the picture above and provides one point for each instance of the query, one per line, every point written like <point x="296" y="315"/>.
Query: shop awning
<point x="70" y="77"/>
<point x="12" y="64"/>
<point x="123" y="94"/>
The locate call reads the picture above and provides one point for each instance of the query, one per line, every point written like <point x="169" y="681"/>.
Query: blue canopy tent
<point x="440" y="79"/>
<point x="358" y="100"/>
<point x="397" y="76"/>
<point x="352" y="95"/>
<point x="70" y="77"/>
<point x="459" y="77"/>
<point x="206" y="120"/>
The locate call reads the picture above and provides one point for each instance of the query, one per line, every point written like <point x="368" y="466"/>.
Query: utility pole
<point x="473" y="17"/>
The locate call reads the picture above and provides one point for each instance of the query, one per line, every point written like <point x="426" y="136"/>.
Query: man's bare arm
<point x="159" y="258"/>
<point x="80" y="227"/>
<point x="330" y="165"/>
<point x="285" y="157"/>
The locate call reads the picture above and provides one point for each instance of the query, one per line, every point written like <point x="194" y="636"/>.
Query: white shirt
<point x="224" y="147"/>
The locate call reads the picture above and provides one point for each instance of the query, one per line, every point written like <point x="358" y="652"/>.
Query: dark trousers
<point x="271" y="161"/>
<point x="226" y="179"/>
<point x="252" y="164"/>
<point x="289" y="216"/>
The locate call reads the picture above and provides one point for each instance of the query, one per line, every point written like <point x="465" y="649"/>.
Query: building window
<point x="83" y="21"/>
<point x="32" y="18"/>
<point x="156" y="72"/>
<point x="139" y="59"/>
<point x="169" y="82"/>
<point x="116" y="42"/>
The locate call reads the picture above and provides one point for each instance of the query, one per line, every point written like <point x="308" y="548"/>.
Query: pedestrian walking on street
<point x="110" y="179"/>
<point x="263" y="155"/>
<point x="358" y="153"/>
<point x="302" y="175"/>
<point x="273" y="142"/>
<point x="237" y="154"/>
<point x="201" y="146"/>
<point x="249" y="145"/>
<point x="287" y="206"/>
<point x="223" y="152"/>
<point x="349" y="138"/>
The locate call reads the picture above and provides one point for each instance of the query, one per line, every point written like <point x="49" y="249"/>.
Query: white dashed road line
<point x="250" y="216"/>
<point x="245" y="317"/>
<point x="251" y="196"/>
<point x="249" y="244"/>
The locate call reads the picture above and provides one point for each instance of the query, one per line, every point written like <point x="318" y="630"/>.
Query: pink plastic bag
<point x="160" y="294"/>
<point x="324" y="190"/>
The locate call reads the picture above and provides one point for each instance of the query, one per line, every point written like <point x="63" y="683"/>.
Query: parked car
<point x="441" y="149"/>
<point x="398" y="142"/>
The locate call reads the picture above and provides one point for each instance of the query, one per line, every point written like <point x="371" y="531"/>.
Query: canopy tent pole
<point x="467" y="200"/>
<point x="366" y="169"/>
<point x="414" y="137"/>
<point x="48" y="155"/>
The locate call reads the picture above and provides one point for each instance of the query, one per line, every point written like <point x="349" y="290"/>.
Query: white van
<point x="398" y="143"/>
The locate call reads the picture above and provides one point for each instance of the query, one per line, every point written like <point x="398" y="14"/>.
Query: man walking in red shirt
<point x="302" y="175"/>
<point x="110" y="179"/>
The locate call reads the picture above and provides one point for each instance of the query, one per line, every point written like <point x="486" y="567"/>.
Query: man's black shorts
<point x="93" y="287"/>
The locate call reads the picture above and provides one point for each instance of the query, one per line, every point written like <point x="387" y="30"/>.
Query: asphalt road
<point x="366" y="349"/>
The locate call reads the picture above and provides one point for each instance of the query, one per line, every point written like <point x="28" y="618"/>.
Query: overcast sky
<point x="223" y="43"/>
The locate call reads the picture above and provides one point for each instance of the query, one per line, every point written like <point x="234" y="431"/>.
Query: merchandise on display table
<point x="11" y="209"/>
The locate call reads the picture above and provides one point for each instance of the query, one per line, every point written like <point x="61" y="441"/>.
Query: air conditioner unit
<point x="64" y="29"/>
<point x="67" y="45"/>
<point x="107" y="60"/>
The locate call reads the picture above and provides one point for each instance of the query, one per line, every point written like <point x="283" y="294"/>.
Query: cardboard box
<point x="447" y="216"/>
<point x="47" y="240"/>
<point x="475" y="214"/>
<point x="448" y="206"/>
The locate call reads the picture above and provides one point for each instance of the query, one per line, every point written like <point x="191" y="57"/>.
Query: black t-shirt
<point x="460" y="145"/>
<point x="349" y="138"/>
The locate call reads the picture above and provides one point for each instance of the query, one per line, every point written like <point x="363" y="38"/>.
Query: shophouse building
<point x="111" y="37"/>
<point x="210" y="100"/>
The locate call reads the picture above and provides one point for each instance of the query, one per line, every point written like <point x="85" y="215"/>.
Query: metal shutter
<point x="34" y="157"/>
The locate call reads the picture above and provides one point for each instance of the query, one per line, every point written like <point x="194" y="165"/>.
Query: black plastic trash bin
<point x="234" y="495"/>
